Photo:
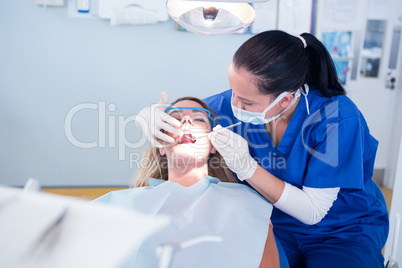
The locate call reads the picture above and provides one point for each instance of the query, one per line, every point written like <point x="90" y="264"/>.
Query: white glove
<point x="152" y="119"/>
<point x="234" y="150"/>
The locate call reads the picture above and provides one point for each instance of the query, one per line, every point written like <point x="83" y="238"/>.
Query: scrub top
<point x="330" y="147"/>
<point x="234" y="212"/>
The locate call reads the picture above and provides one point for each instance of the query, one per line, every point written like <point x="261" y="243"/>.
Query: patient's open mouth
<point x="186" y="138"/>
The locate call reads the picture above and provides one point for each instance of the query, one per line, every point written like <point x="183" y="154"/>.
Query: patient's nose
<point x="187" y="121"/>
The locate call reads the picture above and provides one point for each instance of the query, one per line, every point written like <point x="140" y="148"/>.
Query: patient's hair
<point x="157" y="166"/>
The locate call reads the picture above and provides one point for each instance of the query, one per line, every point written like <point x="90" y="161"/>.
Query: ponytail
<point x="321" y="69"/>
<point x="281" y="62"/>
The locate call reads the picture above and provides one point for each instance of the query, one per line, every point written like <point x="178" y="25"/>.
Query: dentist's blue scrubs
<point x="330" y="147"/>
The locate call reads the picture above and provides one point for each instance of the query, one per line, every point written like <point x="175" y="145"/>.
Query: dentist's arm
<point x="308" y="205"/>
<point x="152" y="119"/>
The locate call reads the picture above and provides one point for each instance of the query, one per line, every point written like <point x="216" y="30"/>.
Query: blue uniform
<point x="330" y="147"/>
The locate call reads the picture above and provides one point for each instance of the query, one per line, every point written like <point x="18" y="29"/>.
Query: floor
<point x="84" y="193"/>
<point x="387" y="195"/>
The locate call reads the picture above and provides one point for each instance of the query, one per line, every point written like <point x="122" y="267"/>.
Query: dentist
<point x="303" y="145"/>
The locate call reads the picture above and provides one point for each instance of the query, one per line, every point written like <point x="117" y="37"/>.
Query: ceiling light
<point x="212" y="18"/>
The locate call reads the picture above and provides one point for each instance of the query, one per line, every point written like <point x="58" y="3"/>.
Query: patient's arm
<point x="270" y="258"/>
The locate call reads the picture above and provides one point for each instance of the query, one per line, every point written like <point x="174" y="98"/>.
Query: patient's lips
<point x="186" y="138"/>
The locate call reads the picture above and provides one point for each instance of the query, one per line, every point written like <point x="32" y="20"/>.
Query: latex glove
<point x="234" y="150"/>
<point x="152" y="119"/>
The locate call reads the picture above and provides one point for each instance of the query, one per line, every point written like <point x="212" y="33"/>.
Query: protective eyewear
<point x="199" y="116"/>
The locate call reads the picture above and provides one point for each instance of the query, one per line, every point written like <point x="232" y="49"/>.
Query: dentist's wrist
<point x="250" y="166"/>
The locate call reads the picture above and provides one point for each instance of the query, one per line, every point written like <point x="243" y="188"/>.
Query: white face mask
<point x="259" y="118"/>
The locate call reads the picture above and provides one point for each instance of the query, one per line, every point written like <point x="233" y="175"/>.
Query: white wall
<point x="50" y="63"/>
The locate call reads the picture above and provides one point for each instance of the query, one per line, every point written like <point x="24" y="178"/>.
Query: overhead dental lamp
<point x="214" y="17"/>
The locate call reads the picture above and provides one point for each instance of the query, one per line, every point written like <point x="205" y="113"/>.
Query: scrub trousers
<point x="327" y="252"/>
<point x="282" y="255"/>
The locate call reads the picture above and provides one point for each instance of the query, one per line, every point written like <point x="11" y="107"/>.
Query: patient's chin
<point x="181" y="154"/>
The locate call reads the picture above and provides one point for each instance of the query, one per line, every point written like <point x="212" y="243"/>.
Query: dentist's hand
<point x="152" y="119"/>
<point x="234" y="149"/>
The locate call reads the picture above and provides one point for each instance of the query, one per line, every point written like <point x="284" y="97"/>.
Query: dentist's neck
<point x="187" y="174"/>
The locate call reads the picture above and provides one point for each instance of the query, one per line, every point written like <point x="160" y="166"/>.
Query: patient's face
<point x="194" y="124"/>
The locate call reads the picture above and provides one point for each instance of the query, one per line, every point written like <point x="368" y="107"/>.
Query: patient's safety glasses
<point x="198" y="117"/>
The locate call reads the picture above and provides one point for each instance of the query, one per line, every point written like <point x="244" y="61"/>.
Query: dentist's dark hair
<point x="279" y="62"/>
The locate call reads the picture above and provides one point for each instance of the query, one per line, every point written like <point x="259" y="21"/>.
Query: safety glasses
<point x="199" y="116"/>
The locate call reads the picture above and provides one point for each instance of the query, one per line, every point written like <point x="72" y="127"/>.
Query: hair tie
<point x="303" y="41"/>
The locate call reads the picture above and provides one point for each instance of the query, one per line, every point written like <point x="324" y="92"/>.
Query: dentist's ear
<point x="287" y="100"/>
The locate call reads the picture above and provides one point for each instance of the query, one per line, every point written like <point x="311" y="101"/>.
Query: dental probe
<point x="202" y="136"/>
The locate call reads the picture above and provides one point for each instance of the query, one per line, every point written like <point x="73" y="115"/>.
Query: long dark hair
<point x="279" y="62"/>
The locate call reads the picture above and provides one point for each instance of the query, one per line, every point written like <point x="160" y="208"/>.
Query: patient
<point x="189" y="182"/>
